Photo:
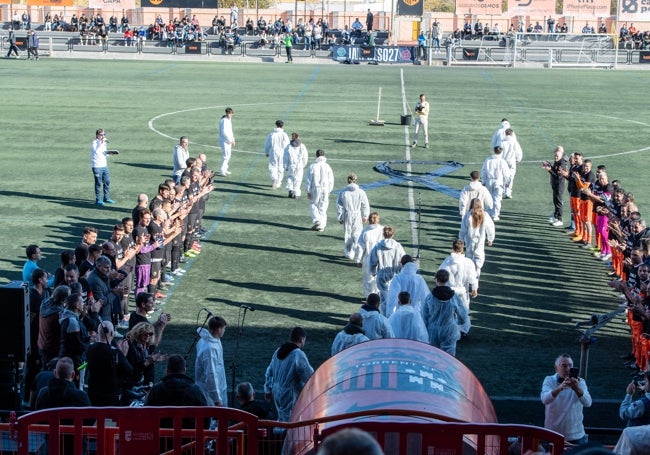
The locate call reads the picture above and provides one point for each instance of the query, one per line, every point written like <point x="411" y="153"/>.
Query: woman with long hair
<point x="141" y="354"/>
<point x="476" y="229"/>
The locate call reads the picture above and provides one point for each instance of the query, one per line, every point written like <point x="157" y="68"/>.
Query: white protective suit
<point x="442" y="313"/>
<point x="499" y="134"/>
<point x="370" y="236"/>
<point x="408" y="323"/>
<point x="472" y="191"/>
<point x="286" y="375"/>
<point x="295" y="159"/>
<point x="634" y="441"/>
<point x="495" y="175"/>
<point x="209" y="369"/>
<point x="375" y="324"/>
<point x="512" y="154"/>
<point x="352" y="208"/>
<point x="226" y="138"/>
<point x="385" y="263"/>
<point x="475" y="238"/>
<point x="274" y="147"/>
<point x="319" y="185"/>
<point x="462" y="279"/>
<point x="407" y="280"/>
<point x="352" y="334"/>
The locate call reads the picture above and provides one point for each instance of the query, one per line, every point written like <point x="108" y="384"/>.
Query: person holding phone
<point x="565" y="395"/>
<point x="635" y="408"/>
<point x="99" y="166"/>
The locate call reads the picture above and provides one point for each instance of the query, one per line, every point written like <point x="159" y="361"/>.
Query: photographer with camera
<point x="421" y="112"/>
<point x="564" y="395"/>
<point x="635" y="408"/>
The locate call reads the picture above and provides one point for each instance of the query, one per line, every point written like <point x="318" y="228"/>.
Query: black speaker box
<point x="14" y="322"/>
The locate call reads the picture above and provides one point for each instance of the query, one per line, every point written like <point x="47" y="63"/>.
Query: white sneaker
<point x="495" y="218"/>
<point x="557" y="223"/>
<point x="552" y="219"/>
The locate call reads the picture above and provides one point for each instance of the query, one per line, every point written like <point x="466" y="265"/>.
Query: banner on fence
<point x="382" y="54"/>
<point x="410" y="7"/>
<point x="479" y="7"/>
<point x="50" y="2"/>
<point x="180" y="3"/>
<point x="591" y="9"/>
<point x="535" y="8"/>
<point x="634" y="10"/>
<point x="111" y="4"/>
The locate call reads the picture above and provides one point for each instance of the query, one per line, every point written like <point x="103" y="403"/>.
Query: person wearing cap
<point x="352" y="210"/>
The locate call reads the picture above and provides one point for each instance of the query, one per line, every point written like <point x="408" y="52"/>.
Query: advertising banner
<point x="410" y="7"/>
<point x="111" y="4"/>
<point x="180" y="3"/>
<point x="535" y="8"/>
<point x="634" y="10"/>
<point x="587" y="9"/>
<point x="479" y="7"/>
<point x="380" y="54"/>
<point x="50" y="2"/>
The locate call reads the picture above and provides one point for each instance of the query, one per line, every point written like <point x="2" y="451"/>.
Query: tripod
<point x="241" y="317"/>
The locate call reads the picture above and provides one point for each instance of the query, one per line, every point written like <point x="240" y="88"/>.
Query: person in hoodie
<point x="287" y="374"/>
<point x="384" y="263"/>
<point x="512" y="154"/>
<point x="375" y="324"/>
<point x="495" y="175"/>
<point x="407" y="322"/>
<point x="476" y="230"/>
<point x="462" y="278"/>
<point x="209" y="368"/>
<point x="410" y="281"/>
<point x="443" y="312"/>
<point x="351" y="334"/>
<point x="176" y="388"/>
<point x="500" y="133"/>
<point x="352" y="211"/>
<point x="274" y="147"/>
<point x="370" y="236"/>
<point x="319" y="185"/>
<point x="74" y="335"/>
<point x="49" y="330"/>
<point x="475" y="189"/>
<point x="295" y="160"/>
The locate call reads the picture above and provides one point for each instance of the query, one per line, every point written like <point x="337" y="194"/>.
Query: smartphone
<point x="573" y="373"/>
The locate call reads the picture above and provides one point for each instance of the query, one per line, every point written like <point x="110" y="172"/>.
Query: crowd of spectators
<point x="78" y="307"/>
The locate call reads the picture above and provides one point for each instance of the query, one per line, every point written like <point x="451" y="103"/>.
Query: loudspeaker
<point x="14" y="322"/>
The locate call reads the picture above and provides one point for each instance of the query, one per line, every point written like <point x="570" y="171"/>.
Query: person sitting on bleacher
<point x="128" y="37"/>
<point x="263" y="41"/>
<point x="124" y="23"/>
<point x="249" y="26"/>
<point x="357" y="26"/>
<point x="230" y="43"/>
<point x="261" y="25"/>
<point x="345" y="35"/>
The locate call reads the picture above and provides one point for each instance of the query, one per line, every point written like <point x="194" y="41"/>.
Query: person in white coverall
<point x="407" y="322"/>
<point x="512" y="154"/>
<point x="476" y="230"/>
<point x="276" y="143"/>
<point x="287" y="374"/>
<point x="500" y="133"/>
<point x="443" y="312"/>
<point x="319" y="185"/>
<point x="352" y="210"/>
<point x="375" y="324"/>
<point x="370" y="236"/>
<point x="408" y="280"/>
<point x="209" y="369"/>
<point x="351" y="334"/>
<point x="462" y="278"/>
<point x="295" y="160"/>
<point x="385" y="262"/>
<point x="226" y="140"/>
<point x="475" y="189"/>
<point x="495" y="175"/>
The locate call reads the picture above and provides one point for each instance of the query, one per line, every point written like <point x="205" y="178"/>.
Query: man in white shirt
<point x="226" y="139"/>
<point x="421" y="112"/>
<point x="179" y="158"/>
<point x="99" y="166"/>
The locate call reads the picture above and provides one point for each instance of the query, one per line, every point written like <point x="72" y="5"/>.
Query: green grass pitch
<point x="535" y="285"/>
